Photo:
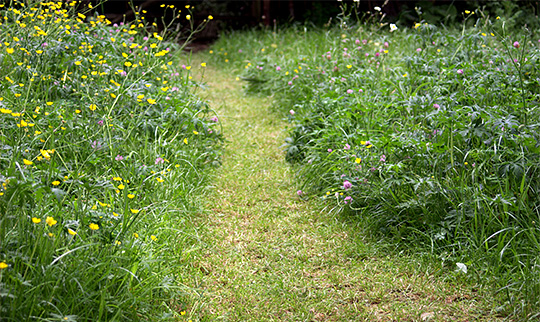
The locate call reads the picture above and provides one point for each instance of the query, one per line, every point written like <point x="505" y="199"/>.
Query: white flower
<point x="377" y="8"/>
<point x="461" y="268"/>
<point x="393" y="27"/>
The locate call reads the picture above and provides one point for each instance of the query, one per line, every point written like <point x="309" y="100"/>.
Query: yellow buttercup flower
<point x="50" y="221"/>
<point x="36" y="220"/>
<point x="45" y="154"/>
<point x="93" y="226"/>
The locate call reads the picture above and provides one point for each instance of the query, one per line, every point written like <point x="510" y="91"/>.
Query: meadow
<point x="103" y="150"/>
<point x="426" y="136"/>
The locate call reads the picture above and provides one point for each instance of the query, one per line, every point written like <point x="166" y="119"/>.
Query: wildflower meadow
<point x="426" y="136"/>
<point x="102" y="148"/>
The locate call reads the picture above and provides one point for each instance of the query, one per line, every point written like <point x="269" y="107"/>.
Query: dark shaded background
<point x="238" y="14"/>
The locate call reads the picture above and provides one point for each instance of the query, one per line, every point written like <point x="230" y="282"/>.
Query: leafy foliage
<point x="429" y="135"/>
<point x="102" y="148"/>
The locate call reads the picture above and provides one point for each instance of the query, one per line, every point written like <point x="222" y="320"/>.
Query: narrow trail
<point x="273" y="257"/>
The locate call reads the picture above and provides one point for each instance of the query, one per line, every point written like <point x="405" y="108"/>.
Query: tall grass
<point x="103" y="149"/>
<point x="428" y="134"/>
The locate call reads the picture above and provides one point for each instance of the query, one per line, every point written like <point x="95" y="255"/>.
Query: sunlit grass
<point x="426" y="135"/>
<point x="272" y="256"/>
<point x="104" y="151"/>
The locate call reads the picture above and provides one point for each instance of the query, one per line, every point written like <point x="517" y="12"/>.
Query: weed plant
<point x="429" y="135"/>
<point x="102" y="150"/>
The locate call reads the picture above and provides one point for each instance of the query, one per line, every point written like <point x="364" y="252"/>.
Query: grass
<point x="108" y="210"/>
<point x="103" y="150"/>
<point x="273" y="256"/>
<point x="425" y="134"/>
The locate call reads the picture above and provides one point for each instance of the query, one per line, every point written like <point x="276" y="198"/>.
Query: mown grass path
<point x="270" y="256"/>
